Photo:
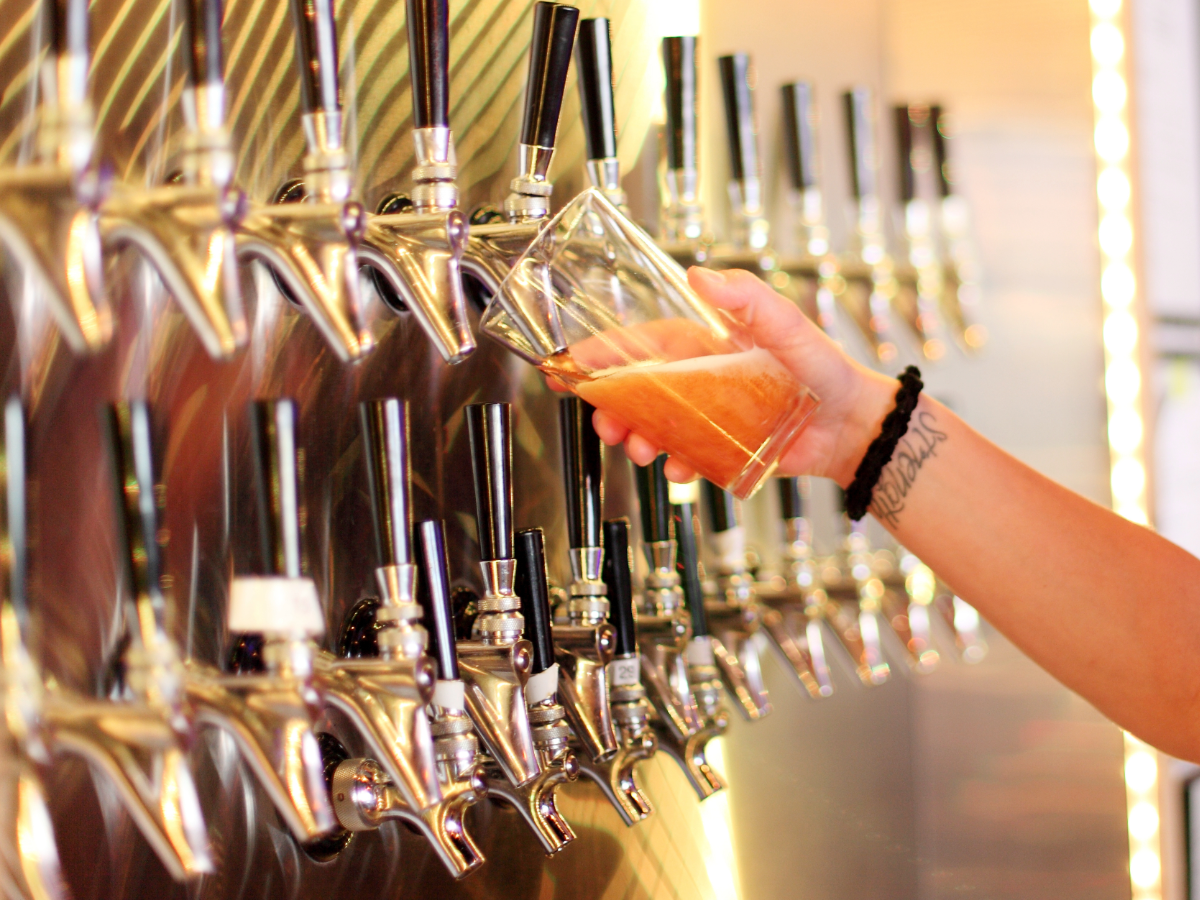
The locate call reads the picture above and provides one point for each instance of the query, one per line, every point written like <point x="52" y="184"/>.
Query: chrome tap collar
<point x="397" y="588"/>
<point x="436" y="167"/>
<point x="684" y="220"/>
<point x="207" y="154"/>
<point x="753" y="231"/>
<point x="606" y="175"/>
<point x="663" y="595"/>
<point x="327" y="162"/>
<point x="500" y="620"/>
<point x="530" y="191"/>
<point x="404" y="637"/>
<point x="589" y="595"/>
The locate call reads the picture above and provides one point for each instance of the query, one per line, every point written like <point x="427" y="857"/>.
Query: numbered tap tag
<point x="624" y="672"/>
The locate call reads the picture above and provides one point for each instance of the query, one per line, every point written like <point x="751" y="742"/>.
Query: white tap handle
<point x="275" y="605"/>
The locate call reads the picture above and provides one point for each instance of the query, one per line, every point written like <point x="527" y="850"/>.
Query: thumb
<point x="775" y="323"/>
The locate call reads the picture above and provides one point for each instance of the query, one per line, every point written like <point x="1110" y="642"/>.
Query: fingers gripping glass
<point x="595" y="303"/>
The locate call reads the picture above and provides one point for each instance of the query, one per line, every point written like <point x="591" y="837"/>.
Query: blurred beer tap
<point x="734" y="617"/>
<point x="585" y="642"/>
<point x="186" y="230"/>
<point x="495" y="245"/>
<point x="29" y="863"/>
<point x="751" y="232"/>
<point x="856" y="593"/>
<point x="309" y="236"/>
<point x="812" y="269"/>
<point x="684" y="236"/>
<point x="593" y="59"/>
<point x="49" y="208"/>
<point x="496" y="665"/>
<point x="865" y="282"/>
<point x="415" y="245"/>
<point x="138" y="739"/>
<point x="682" y="726"/>
<point x="919" y="274"/>
<point x="385" y="696"/>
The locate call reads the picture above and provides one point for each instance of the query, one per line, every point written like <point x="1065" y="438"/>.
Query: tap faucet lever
<point x="684" y="215"/>
<point x="702" y="672"/>
<point x="593" y="54"/>
<point x="273" y="436"/>
<point x="745" y="187"/>
<point x="429" y="53"/>
<point x="583" y="471"/>
<point x="320" y="92"/>
<point x="549" y="58"/>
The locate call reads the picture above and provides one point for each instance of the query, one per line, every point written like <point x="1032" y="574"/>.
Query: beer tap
<point x="703" y="675"/>
<point x="751" y="230"/>
<point x="682" y="730"/>
<point x="186" y="230"/>
<point x="29" y="860"/>
<point x="683" y="234"/>
<point x="584" y="642"/>
<point x="858" y="607"/>
<point x="385" y="696"/>
<point x="593" y="52"/>
<point x="494" y="246"/>
<point x="49" y="218"/>
<point x="415" y="253"/>
<point x="811" y="272"/>
<point x="866" y="279"/>
<point x="496" y="664"/>
<point x="309" y="236"/>
<point x="138" y="739"/>
<point x="426" y="777"/>
<point x="733" y="615"/>
<point x="919" y="275"/>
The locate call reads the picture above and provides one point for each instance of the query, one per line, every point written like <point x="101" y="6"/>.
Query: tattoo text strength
<point x="917" y="446"/>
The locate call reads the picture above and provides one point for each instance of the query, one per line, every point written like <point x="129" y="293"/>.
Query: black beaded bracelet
<point x="879" y="454"/>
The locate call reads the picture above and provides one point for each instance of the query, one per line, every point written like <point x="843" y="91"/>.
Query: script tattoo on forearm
<point x="918" y="446"/>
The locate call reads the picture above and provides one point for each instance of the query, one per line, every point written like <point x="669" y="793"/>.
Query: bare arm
<point x="1106" y="606"/>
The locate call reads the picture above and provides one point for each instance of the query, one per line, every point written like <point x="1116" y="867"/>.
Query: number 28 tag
<point x="624" y="671"/>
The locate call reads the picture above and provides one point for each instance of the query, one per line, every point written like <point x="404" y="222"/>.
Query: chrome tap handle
<point x="202" y="39"/>
<point x="722" y="506"/>
<point x="13" y="529"/>
<point x="433" y="590"/>
<point x="679" y="61"/>
<point x="791" y="500"/>
<point x="904" y="153"/>
<point x="688" y="565"/>
<point x="549" y="58"/>
<point x="131" y="450"/>
<point x="860" y="124"/>
<point x="619" y="582"/>
<point x="277" y="483"/>
<point x="317" y="56"/>
<point x="531" y="586"/>
<point x="583" y="472"/>
<point x="593" y="56"/>
<point x="799" y="134"/>
<point x="654" y="500"/>
<point x="489" y="426"/>
<point x="429" y="62"/>
<point x="66" y="23"/>
<point x="940" y="161"/>
<point x="385" y="445"/>
<point x="739" y="116"/>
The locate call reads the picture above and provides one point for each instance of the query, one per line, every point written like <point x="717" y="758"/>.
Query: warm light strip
<point x="1123" y="384"/>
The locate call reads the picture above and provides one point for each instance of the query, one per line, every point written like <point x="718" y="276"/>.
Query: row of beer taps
<point x="416" y="710"/>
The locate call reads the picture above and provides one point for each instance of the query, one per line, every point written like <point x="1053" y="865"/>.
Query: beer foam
<point x="746" y="359"/>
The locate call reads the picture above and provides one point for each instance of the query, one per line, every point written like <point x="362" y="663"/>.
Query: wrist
<point x="875" y="398"/>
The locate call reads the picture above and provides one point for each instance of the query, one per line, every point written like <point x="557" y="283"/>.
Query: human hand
<point x="854" y="399"/>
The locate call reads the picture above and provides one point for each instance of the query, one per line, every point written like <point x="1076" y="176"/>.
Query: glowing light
<point x="1116" y="235"/>
<point x="1109" y="92"/>
<point x="1117" y="285"/>
<point x="1106" y="9"/>
<point x="1144" y="868"/>
<point x="1143" y="821"/>
<point x="1120" y="333"/>
<point x="1112" y="139"/>
<point x="721" y="862"/>
<point x="1141" y="771"/>
<point x="1125" y="430"/>
<point x="1123" y="381"/>
<point x="1133" y="512"/>
<point x="1112" y="187"/>
<point x="1108" y="44"/>
<point x="1128" y="479"/>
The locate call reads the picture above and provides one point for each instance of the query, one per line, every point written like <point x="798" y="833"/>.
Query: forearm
<point x="1108" y="607"/>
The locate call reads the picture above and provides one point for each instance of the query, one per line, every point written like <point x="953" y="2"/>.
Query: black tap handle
<point x="202" y="41"/>
<point x="687" y="563"/>
<point x="583" y="471"/>
<point x="549" y="58"/>
<point x="277" y="483"/>
<point x="937" y="119"/>
<point x="799" y="133"/>
<point x="679" y="62"/>
<point x="654" y="500"/>
<point x="13" y="521"/>
<point x="67" y="26"/>
<point x="385" y="446"/>
<point x="904" y="153"/>
<point x="791" y="502"/>
<point x="433" y="592"/>
<point x="531" y="586"/>
<point x="429" y="61"/>
<point x="739" y="115"/>
<point x="619" y="582"/>
<point x="595" y="71"/>
<point x="489" y="426"/>
<point x="722" y="508"/>
<point x="132" y="453"/>
<point x="860" y="130"/>
<point x="317" y="55"/>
